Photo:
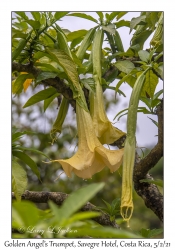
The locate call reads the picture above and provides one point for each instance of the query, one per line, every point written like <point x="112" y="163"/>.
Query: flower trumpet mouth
<point x="91" y="157"/>
<point x="104" y="130"/>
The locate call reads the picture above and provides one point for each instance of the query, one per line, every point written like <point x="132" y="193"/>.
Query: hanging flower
<point x="104" y="130"/>
<point x="91" y="156"/>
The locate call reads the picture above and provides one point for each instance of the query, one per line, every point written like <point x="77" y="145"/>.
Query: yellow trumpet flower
<point x="91" y="156"/>
<point x="104" y="130"/>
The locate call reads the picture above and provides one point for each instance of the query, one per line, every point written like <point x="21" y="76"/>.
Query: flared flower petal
<point x="104" y="130"/>
<point x="91" y="157"/>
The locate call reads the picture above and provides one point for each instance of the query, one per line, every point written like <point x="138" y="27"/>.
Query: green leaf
<point x="107" y="205"/>
<point x="112" y="76"/>
<point x="109" y="28"/>
<point x="155" y="102"/>
<point x="68" y="65"/>
<point x="85" y="43"/>
<point x="32" y="150"/>
<point x="19" y="179"/>
<point x="82" y="216"/>
<point x="28" y="213"/>
<point x="144" y="232"/>
<point x="122" y="23"/>
<point x="155" y="122"/>
<point x="75" y="42"/>
<point x="100" y="14"/>
<point x="60" y="14"/>
<point x="16" y="136"/>
<point x="27" y="160"/>
<point x="18" y="84"/>
<point x="147" y="101"/>
<point x="34" y="24"/>
<point x="88" y="83"/>
<point x="155" y="232"/>
<point x="76" y="34"/>
<point x="158" y="94"/>
<point x="22" y="14"/>
<point x="121" y="13"/>
<point x="78" y="198"/>
<point x="70" y="69"/>
<point x="49" y="100"/>
<point x="121" y="81"/>
<point x="150" y="84"/>
<point x="36" y="15"/>
<point x="102" y="232"/>
<point x="144" y="55"/>
<point x="157" y="182"/>
<point x="159" y="70"/>
<point x="135" y="21"/>
<point x="40" y="96"/>
<point x="112" y="15"/>
<point x="125" y="66"/>
<point x="45" y="75"/>
<point x="82" y="15"/>
<point x="46" y="67"/>
<point x="141" y="38"/>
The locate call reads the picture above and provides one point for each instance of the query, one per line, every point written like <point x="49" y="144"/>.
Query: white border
<point x="5" y="100"/>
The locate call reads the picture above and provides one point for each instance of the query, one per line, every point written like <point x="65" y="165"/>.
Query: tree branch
<point x="149" y="192"/>
<point x="58" y="198"/>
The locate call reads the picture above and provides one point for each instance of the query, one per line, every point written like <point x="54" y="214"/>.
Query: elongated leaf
<point x="113" y="15"/>
<point x="16" y="136"/>
<point x="36" y="15"/>
<point x="100" y="14"/>
<point x="82" y="216"/>
<point x="83" y="15"/>
<point x="155" y="232"/>
<point x="28" y="212"/>
<point x="34" y="24"/>
<point x="75" y="42"/>
<point x="122" y="23"/>
<point x="155" y="122"/>
<point x="19" y="179"/>
<point x="96" y="53"/>
<point x="150" y="84"/>
<point x="70" y="69"/>
<point x="125" y="66"/>
<point x="78" y="198"/>
<point x="135" y="21"/>
<point x="49" y="100"/>
<point x="121" y="13"/>
<point x="32" y="150"/>
<point x="68" y="65"/>
<point x="109" y="28"/>
<point x="144" y="55"/>
<point x="62" y="42"/>
<point x="76" y="34"/>
<point x="102" y="232"/>
<point x="121" y="81"/>
<point x="141" y="38"/>
<point x="40" y="96"/>
<point x="158" y="94"/>
<point x="60" y="14"/>
<point x="18" y="84"/>
<point x="22" y="14"/>
<point x="85" y="43"/>
<point x="25" y="158"/>
<point x="45" y="75"/>
<point x="147" y="101"/>
<point x="47" y="67"/>
<point x="159" y="71"/>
